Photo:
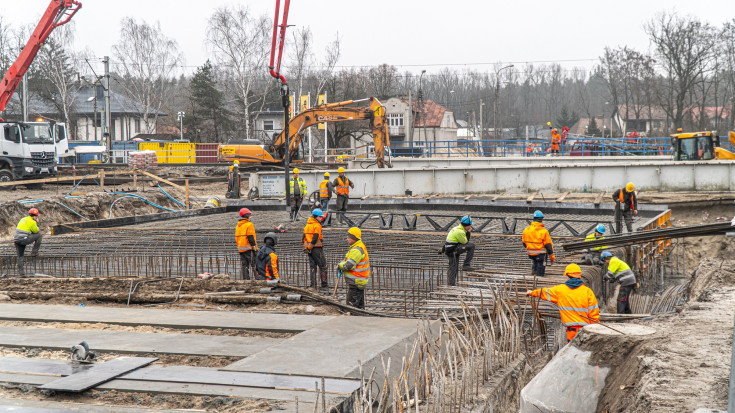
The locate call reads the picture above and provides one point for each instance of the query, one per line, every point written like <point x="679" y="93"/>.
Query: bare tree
<point x="239" y="42"/>
<point x="301" y="56"/>
<point x="56" y="65"/>
<point x="331" y="56"/>
<point x="684" y="46"/>
<point x="148" y="60"/>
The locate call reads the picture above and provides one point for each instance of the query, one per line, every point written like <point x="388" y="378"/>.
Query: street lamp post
<point x="496" y="118"/>
<point x="181" y="115"/>
<point x="421" y="101"/>
<point x="94" y="121"/>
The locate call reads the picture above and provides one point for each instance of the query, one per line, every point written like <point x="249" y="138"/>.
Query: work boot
<point x="325" y="284"/>
<point x="468" y="268"/>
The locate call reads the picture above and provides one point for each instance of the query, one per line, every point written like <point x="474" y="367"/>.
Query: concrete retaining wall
<point x="403" y="163"/>
<point x="664" y="176"/>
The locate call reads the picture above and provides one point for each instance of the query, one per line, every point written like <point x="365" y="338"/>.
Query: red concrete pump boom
<point x="59" y="12"/>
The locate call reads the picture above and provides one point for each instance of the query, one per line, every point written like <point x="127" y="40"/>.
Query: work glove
<point x="307" y="250"/>
<point x="528" y="292"/>
<point x="339" y="266"/>
<point x="552" y="257"/>
<point x="340" y="273"/>
<point x="635" y="212"/>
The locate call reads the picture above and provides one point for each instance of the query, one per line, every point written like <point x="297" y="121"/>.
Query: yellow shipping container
<point x="158" y="147"/>
<point x="181" y="152"/>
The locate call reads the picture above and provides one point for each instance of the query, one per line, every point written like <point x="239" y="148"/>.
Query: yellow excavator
<point x="700" y="146"/>
<point x="332" y="112"/>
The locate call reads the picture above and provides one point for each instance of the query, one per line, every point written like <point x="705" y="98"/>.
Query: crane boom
<point x="58" y="13"/>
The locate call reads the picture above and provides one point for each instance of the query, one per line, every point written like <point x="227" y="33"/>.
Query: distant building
<point x="266" y="124"/>
<point x="430" y="123"/>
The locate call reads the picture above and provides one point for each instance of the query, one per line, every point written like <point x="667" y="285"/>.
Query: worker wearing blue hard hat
<point x="456" y="244"/>
<point x="592" y="257"/>
<point x="538" y="244"/>
<point x="314" y="247"/>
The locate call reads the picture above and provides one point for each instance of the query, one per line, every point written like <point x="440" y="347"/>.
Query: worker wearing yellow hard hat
<point x="626" y="206"/>
<point x="342" y="186"/>
<point x="298" y="192"/>
<point x="233" y="180"/>
<point x="577" y="303"/>
<point x="355" y="268"/>
<point x="325" y="191"/>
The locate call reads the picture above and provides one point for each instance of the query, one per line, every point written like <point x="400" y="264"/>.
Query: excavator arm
<point x="722" y="153"/>
<point x="58" y="13"/>
<point x="338" y="112"/>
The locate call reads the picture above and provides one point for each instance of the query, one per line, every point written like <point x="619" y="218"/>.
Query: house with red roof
<point x="426" y="121"/>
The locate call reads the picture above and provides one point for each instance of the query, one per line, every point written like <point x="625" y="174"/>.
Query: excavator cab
<point x="700" y="146"/>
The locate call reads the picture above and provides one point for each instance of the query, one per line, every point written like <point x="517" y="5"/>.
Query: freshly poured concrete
<point x="131" y="342"/>
<point x="161" y="317"/>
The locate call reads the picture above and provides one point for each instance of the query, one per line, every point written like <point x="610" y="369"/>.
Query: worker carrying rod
<point x="576" y="302"/>
<point x="537" y="241"/>
<point x="26" y="233"/>
<point x="626" y="206"/>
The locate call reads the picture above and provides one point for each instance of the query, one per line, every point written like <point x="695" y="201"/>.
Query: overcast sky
<point x="410" y="34"/>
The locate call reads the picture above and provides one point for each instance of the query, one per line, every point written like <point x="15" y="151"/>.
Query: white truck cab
<point x="27" y="150"/>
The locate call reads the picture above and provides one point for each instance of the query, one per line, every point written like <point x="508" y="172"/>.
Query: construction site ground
<point x="684" y="367"/>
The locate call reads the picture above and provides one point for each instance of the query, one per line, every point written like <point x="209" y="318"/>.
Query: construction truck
<point x="28" y="149"/>
<point x="275" y="153"/>
<point x="700" y="146"/>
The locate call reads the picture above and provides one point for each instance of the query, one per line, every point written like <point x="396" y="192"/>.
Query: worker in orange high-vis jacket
<point x="342" y="185"/>
<point x="266" y="262"/>
<point x="626" y="206"/>
<point x="313" y="245"/>
<point x="247" y="244"/>
<point x="576" y="302"/>
<point x="325" y="192"/>
<point x="356" y="268"/>
<point x="555" y="141"/>
<point x="538" y="244"/>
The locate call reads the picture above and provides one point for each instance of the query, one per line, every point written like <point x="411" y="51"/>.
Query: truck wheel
<point x="6" y="176"/>
<point x="34" y="186"/>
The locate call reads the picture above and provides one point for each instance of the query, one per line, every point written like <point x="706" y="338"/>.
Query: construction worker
<point x="325" y="191"/>
<point x="537" y="241"/>
<point x="457" y="243"/>
<point x="555" y="141"/>
<point x="233" y="180"/>
<point x="313" y="246"/>
<point x="626" y="206"/>
<point x="26" y="233"/>
<point x="266" y="262"/>
<point x="342" y="186"/>
<point x="356" y="268"/>
<point x="298" y="192"/>
<point x="247" y="244"/>
<point x="620" y="272"/>
<point x="592" y="257"/>
<point x="576" y="302"/>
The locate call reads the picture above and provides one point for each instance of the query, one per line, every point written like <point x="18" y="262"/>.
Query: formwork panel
<point x="543" y="178"/>
<point x="677" y="178"/>
<point x="713" y="178"/>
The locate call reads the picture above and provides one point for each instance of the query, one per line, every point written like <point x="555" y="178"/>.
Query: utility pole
<point x="108" y="114"/>
<point x="181" y="115"/>
<point x="482" y="135"/>
<point x="409" y="125"/>
<point x="497" y="121"/>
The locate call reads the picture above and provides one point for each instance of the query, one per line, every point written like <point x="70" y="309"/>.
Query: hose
<point x="170" y="197"/>
<point x="72" y="211"/>
<point x="129" y="195"/>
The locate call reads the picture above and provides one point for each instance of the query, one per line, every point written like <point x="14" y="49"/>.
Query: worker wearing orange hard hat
<point x="27" y="233"/>
<point x="247" y="244"/>
<point x="576" y="302"/>
<point x="626" y="206"/>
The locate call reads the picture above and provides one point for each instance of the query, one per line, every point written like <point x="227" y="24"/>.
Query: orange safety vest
<point x="244" y="228"/>
<point x="621" y="197"/>
<point x="343" y="187"/>
<point x="535" y="236"/>
<point x="313" y="228"/>
<point x="576" y="306"/>
<point x="362" y="269"/>
<point x="324" y="189"/>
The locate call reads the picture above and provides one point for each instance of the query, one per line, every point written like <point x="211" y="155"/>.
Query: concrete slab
<point x="161" y="317"/>
<point x="97" y="374"/>
<point x="335" y="348"/>
<point x="131" y="342"/>
<point x="43" y="406"/>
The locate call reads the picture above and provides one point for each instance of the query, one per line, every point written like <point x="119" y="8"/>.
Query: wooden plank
<point x="98" y="374"/>
<point x="599" y="197"/>
<point x="44" y="180"/>
<point x="467" y="198"/>
<point x="158" y="178"/>
<point x="495" y="198"/>
<point x="530" y="197"/>
<point x="564" y="195"/>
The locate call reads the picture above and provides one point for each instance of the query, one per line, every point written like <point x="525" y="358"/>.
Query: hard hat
<point x="555" y="130"/>
<point x="317" y="212"/>
<point x="244" y="212"/>
<point x="466" y="220"/>
<point x="236" y="162"/>
<point x="538" y="214"/>
<point x="629" y="187"/>
<point x="273" y="236"/>
<point x="33" y="211"/>
<point x="326" y="174"/>
<point x="600" y="228"/>
<point x="295" y="170"/>
<point x="341" y="170"/>
<point x="573" y="271"/>
<point x="355" y="232"/>
<point x="606" y="254"/>
<point x="548" y="123"/>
